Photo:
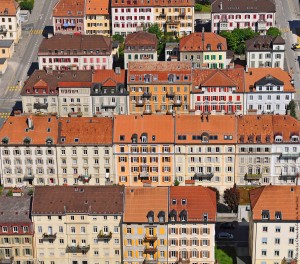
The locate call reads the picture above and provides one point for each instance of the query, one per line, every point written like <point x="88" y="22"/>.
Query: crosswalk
<point x="15" y="88"/>
<point x="4" y="115"/>
<point x="36" y="31"/>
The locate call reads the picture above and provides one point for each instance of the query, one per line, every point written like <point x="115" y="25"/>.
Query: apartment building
<point x="267" y="91"/>
<point x="57" y="92"/>
<point x="172" y="51"/>
<point x="274" y="227"/>
<point x="28" y="152"/>
<point x="191" y="227"/>
<point x="159" y="87"/>
<point x="68" y="17"/>
<point x="265" y="51"/>
<point x="84" y="151"/>
<point x="97" y="17"/>
<point x="230" y="14"/>
<point x="10" y="23"/>
<point x="218" y="91"/>
<point x="76" y="52"/>
<point x="77" y="224"/>
<point x="7" y="48"/>
<point x="140" y="46"/>
<point x="16" y="230"/>
<point x="145" y="231"/>
<point x="205" y="150"/>
<point x="109" y="92"/>
<point x="205" y="50"/>
<point x="143" y="149"/>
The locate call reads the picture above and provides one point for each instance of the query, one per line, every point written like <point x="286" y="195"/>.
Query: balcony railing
<point x="253" y="176"/>
<point x="109" y="105"/>
<point x="103" y="235"/>
<point x="261" y="25"/>
<point x="3" y="30"/>
<point x="40" y="105"/>
<point x="290" y="155"/>
<point x="28" y="177"/>
<point x="77" y="249"/>
<point x="140" y="103"/>
<point x="288" y="176"/>
<point x="84" y="178"/>
<point x="172" y="22"/>
<point x="144" y="174"/>
<point x="147" y="94"/>
<point x="149" y="249"/>
<point x="203" y="175"/>
<point x="150" y="261"/>
<point x="49" y="236"/>
<point x="170" y="111"/>
<point x="75" y="114"/>
<point x="170" y="94"/>
<point x="6" y="260"/>
<point x="177" y="102"/>
<point x="150" y="238"/>
<point x="182" y="261"/>
<point x="147" y="112"/>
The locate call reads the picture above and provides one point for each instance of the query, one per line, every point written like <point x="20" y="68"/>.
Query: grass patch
<point x="1" y="189"/>
<point x="206" y="9"/>
<point x="225" y="255"/>
<point x="244" y="194"/>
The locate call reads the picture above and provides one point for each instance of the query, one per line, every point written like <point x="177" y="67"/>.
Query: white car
<point x="225" y="235"/>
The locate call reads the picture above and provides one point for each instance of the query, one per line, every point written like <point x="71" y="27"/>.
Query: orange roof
<point x="69" y="8"/>
<point x="40" y="84"/>
<point x="74" y="84"/>
<point x="139" y="201"/>
<point x="16" y="129"/>
<point x="141" y="38"/>
<point x="8" y="8"/>
<point x="217" y="78"/>
<point x="255" y="74"/>
<point x="195" y="42"/>
<point x="159" y="128"/>
<point x="85" y="130"/>
<point x="195" y="126"/>
<point x="101" y="76"/>
<point x="286" y="126"/>
<point x="151" y="3"/>
<point x="275" y="199"/>
<point x="199" y="200"/>
<point x="97" y="7"/>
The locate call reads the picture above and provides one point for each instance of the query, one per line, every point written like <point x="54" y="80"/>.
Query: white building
<point x="231" y="14"/>
<point x="274" y="227"/>
<point x="267" y="91"/>
<point x="265" y="51"/>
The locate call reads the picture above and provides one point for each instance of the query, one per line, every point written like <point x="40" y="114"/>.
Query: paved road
<point x="25" y="54"/>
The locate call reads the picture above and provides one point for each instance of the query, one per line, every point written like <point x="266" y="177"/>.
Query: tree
<point x="176" y="182"/>
<point x="155" y="29"/>
<point x="292" y="108"/>
<point x="198" y="7"/>
<point x="118" y="37"/>
<point x="27" y="5"/>
<point x="216" y="191"/>
<point x="232" y="198"/>
<point x="274" y="32"/>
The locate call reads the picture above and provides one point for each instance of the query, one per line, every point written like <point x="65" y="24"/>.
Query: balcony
<point x="28" y="177"/>
<point x="177" y="103"/>
<point x="67" y="24"/>
<point x="109" y="105"/>
<point x="150" y="261"/>
<point x="140" y="103"/>
<point x="147" y="112"/>
<point x="162" y="15"/>
<point x="224" y="25"/>
<point x="261" y="25"/>
<point x="147" y="94"/>
<point x="144" y="174"/>
<point x="170" y="94"/>
<point x="182" y="261"/>
<point x="3" y="30"/>
<point x="49" y="236"/>
<point x="290" y="155"/>
<point x="149" y="249"/>
<point x="288" y="176"/>
<point x="6" y="260"/>
<point x="40" y="106"/>
<point x="203" y="175"/>
<point x="103" y="235"/>
<point x="77" y="249"/>
<point x="252" y="176"/>
<point x="84" y="178"/>
<point x="75" y="114"/>
<point x="150" y="238"/>
<point x="170" y="111"/>
<point x="172" y="22"/>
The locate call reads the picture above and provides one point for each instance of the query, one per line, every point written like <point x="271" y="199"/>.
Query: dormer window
<point x="268" y="139"/>
<point x="278" y="138"/>
<point x="250" y="139"/>
<point x="183" y="201"/>
<point x="171" y="78"/>
<point x="205" y="217"/>
<point x="144" y="138"/>
<point x="258" y="139"/>
<point x="161" y="216"/>
<point x="183" y="216"/>
<point x="150" y="217"/>
<point x="294" y="138"/>
<point x="173" y="215"/>
<point x="134" y="138"/>
<point x="147" y="78"/>
<point x="278" y="216"/>
<point x="208" y="47"/>
<point x="265" y="215"/>
<point x="204" y="137"/>
<point x="174" y="201"/>
<point x="219" y="46"/>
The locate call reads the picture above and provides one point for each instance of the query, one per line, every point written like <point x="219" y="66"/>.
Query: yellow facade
<point x="97" y="25"/>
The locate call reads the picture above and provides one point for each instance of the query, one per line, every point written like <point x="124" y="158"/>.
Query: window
<point x="277" y="241"/>
<point x="264" y="252"/>
<point x="264" y="240"/>
<point x="292" y="229"/>
<point x="265" y="229"/>
<point x="277" y="229"/>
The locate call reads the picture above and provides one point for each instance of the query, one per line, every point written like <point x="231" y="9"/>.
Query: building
<point x="159" y="87"/>
<point x="205" y="150"/>
<point x="273" y="226"/>
<point x="10" y="23"/>
<point x="57" y="92"/>
<point x="3" y="65"/>
<point x="76" y="224"/>
<point x="145" y="225"/>
<point x="172" y="51"/>
<point x="204" y="50"/>
<point x="68" y="17"/>
<point x="230" y="14"/>
<point x="7" y="48"/>
<point x="76" y="52"/>
<point x="267" y="91"/>
<point x="16" y="232"/>
<point x="265" y="51"/>
<point x="192" y="218"/>
<point x="97" y="17"/>
<point x="109" y="92"/>
<point x="144" y="152"/>
<point x="84" y="151"/>
<point x="218" y="91"/>
<point x="140" y="46"/>
<point x="28" y="152"/>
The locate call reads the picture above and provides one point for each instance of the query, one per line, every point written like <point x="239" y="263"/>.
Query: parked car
<point x="227" y="225"/>
<point x="224" y="235"/>
<point x="296" y="46"/>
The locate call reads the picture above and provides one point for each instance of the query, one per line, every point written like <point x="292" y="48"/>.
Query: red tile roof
<point x="141" y="38"/>
<point x="97" y="7"/>
<point x="103" y="76"/>
<point x="69" y="8"/>
<point x="9" y="8"/>
<point x="199" y="200"/>
<point x="284" y="199"/>
<point x="195" y="42"/>
<point x="74" y="84"/>
<point x="151" y="3"/>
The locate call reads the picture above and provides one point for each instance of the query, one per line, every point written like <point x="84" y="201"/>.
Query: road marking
<point x="4" y="115"/>
<point x="36" y="31"/>
<point x="15" y="88"/>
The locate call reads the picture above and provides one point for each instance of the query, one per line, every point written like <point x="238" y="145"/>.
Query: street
<point x="25" y="54"/>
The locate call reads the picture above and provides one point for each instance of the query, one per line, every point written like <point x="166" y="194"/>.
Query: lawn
<point x="1" y="189"/>
<point x="244" y="194"/>
<point x="206" y="9"/>
<point x="225" y="255"/>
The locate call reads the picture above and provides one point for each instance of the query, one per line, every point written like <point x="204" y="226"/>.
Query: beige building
<point x="7" y="48"/>
<point x="10" y="23"/>
<point x="16" y="230"/>
<point x="77" y="224"/>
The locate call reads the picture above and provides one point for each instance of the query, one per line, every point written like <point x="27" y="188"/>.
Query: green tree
<point x="216" y="191"/>
<point x="198" y="7"/>
<point x="232" y="198"/>
<point x="155" y="29"/>
<point x="9" y="193"/>
<point x="118" y="37"/>
<point x="274" y="32"/>
<point x="176" y="182"/>
<point x="292" y="108"/>
<point x="27" y="5"/>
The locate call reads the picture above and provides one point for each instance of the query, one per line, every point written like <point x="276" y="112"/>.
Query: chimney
<point x="49" y="71"/>
<point x="30" y="122"/>
<point x="246" y="70"/>
<point x="118" y="70"/>
<point x="221" y="5"/>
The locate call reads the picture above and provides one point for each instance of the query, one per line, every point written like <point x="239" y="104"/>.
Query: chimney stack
<point x="221" y="5"/>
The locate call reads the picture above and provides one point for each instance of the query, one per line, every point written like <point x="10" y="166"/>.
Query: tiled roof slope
<point x="243" y="6"/>
<point x="139" y="201"/>
<point x="8" y="8"/>
<point x="97" y="7"/>
<point x="159" y="128"/>
<point x="263" y="43"/>
<point x="16" y="129"/>
<point x="275" y="199"/>
<point x="140" y="38"/>
<point x="69" y="8"/>
<point x="59" y="200"/>
<point x="152" y="3"/>
<point x="199" y="200"/>
<point x="199" y="42"/>
<point x="102" y="76"/>
<point x="87" y="130"/>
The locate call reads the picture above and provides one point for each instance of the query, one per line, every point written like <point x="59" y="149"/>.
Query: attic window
<point x="183" y="201"/>
<point x="268" y="139"/>
<point x="208" y="47"/>
<point x="205" y="217"/>
<point x="258" y="139"/>
<point x="278" y="216"/>
<point x="278" y="138"/>
<point x="265" y="215"/>
<point x="150" y="217"/>
<point x="294" y="138"/>
<point x="5" y="140"/>
<point x="161" y="216"/>
<point x="63" y="139"/>
<point x="174" y="201"/>
<point x="173" y="215"/>
<point x="181" y="137"/>
<point x="183" y="216"/>
<point x="144" y="138"/>
<point x="76" y="140"/>
<point x="153" y="138"/>
<point x="122" y="137"/>
<point x="134" y="138"/>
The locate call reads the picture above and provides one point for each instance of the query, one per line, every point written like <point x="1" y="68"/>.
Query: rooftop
<point x="151" y="3"/>
<point x="97" y="7"/>
<point x="6" y="43"/>
<point x="8" y="8"/>
<point x="77" y="199"/>
<point x="141" y="38"/>
<point x="69" y="8"/>
<point x="109" y="77"/>
<point x="264" y="43"/>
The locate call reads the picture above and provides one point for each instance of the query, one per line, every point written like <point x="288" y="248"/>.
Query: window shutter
<point x="208" y="231"/>
<point x="208" y="242"/>
<point x="197" y="231"/>
<point x="179" y="242"/>
<point x="170" y="254"/>
<point x="208" y="254"/>
<point x="201" y="243"/>
<point x="170" y="231"/>
<point x="176" y="231"/>
<point x="201" y="255"/>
